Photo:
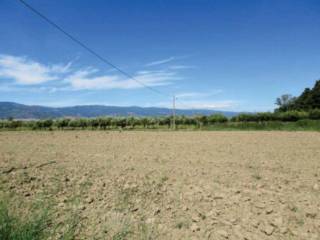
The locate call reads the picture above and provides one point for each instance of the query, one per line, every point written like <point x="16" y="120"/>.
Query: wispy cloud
<point x="160" y="62"/>
<point x="28" y="72"/>
<point x="203" y="100"/>
<point x="199" y="104"/>
<point x="87" y="79"/>
<point x="25" y="73"/>
<point x="181" y="67"/>
<point x="198" y="94"/>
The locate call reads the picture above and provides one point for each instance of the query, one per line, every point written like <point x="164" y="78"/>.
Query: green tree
<point x="217" y="118"/>
<point x="62" y="123"/>
<point x="131" y="122"/>
<point x="144" y="122"/>
<point x="285" y="102"/>
<point x="104" y="123"/>
<point x="308" y="100"/>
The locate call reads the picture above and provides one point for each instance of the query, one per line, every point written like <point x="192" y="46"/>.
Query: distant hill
<point x="21" y="111"/>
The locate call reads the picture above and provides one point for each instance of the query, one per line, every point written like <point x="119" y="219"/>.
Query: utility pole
<point x="174" y="112"/>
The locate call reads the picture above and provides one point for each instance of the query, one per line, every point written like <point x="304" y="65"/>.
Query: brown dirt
<point x="164" y="185"/>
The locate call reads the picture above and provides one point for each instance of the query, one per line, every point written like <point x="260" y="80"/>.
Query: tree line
<point x="199" y="121"/>
<point x="104" y="123"/>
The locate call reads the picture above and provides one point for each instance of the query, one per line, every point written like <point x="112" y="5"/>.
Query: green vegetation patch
<point x="37" y="224"/>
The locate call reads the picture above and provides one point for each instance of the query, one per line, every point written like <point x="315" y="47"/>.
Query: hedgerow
<point x="200" y="121"/>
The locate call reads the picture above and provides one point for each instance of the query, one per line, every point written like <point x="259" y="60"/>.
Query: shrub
<point x="94" y="123"/>
<point x="144" y="122"/>
<point x="14" y="124"/>
<point x="43" y="124"/>
<point x="121" y="122"/>
<point x="131" y="122"/>
<point x="103" y="123"/>
<point x="74" y="123"/>
<point x="62" y="123"/>
<point x="29" y="124"/>
<point x="265" y="116"/>
<point x="314" y="114"/>
<point x="201" y="120"/>
<point x="245" y="117"/>
<point x="217" y="118"/>
<point x="308" y="124"/>
<point x="165" y="121"/>
<point x="152" y="122"/>
<point x="303" y="123"/>
<point x="48" y="123"/>
<point x="292" y="116"/>
<point x="83" y="123"/>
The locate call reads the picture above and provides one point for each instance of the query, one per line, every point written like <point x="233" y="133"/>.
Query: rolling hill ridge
<point x="21" y="111"/>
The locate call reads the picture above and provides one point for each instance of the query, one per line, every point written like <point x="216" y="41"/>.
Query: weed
<point x="85" y="185"/>
<point x="123" y="232"/>
<point x="164" y="179"/>
<point x="146" y="232"/>
<point x="124" y="199"/>
<point x="300" y="222"/>
<point x="182" y="224"/>
<point x="179" y="225"/>
<point x="257" y="176"/>
<point x="37" y="225"/>
<point x="13" y="228"/>
<point x="121" y="235"/>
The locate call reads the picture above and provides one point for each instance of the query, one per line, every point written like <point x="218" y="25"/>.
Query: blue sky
<point x="225" y="55"/>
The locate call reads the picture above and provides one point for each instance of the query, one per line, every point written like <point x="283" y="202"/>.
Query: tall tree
<point x="285" y="102"/>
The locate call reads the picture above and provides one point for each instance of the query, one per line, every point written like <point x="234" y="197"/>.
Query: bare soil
<point x="169" y="185"/>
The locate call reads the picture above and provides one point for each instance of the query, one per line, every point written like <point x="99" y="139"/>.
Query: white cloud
<point x="159" y="62"/>
<point x="24" y="73"/>
<point x="27" y="75"/>
<point x="87" y="79"/>
<point x="28" y="72"/>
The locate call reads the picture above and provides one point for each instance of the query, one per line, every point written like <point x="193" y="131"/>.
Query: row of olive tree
<point x="105" y="123"/>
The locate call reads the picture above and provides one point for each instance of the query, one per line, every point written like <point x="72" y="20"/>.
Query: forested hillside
<point x="308" y="100"/>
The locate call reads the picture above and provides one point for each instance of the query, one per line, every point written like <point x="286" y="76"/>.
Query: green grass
<point x="37" y="225"/>
<point x="13" y="228"/>
<point x="123" y="234"/>
<point x="302" y="125"/>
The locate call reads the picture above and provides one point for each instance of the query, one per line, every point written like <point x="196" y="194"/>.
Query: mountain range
<point x="21" y="111"/>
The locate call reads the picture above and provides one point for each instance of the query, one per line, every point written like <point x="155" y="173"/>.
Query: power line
<point x="96" y="54"/>
<point x="86" y="47"/>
